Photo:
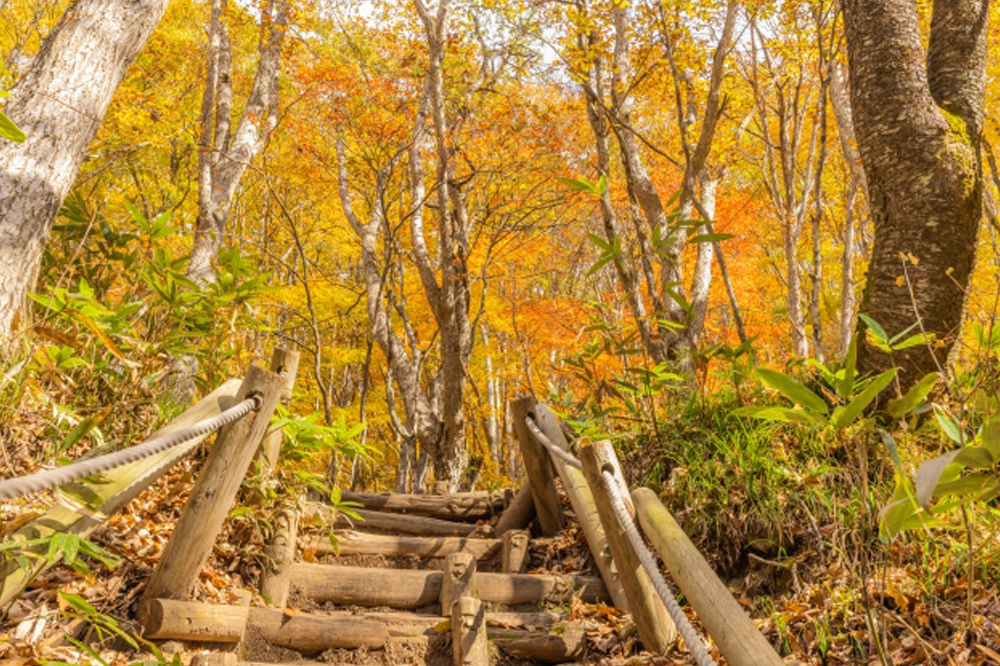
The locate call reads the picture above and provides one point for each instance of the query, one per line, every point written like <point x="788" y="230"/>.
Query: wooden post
<point x="211" y="498"/>
<point x="519" y="512"/>
<point x="459" y="579"/>
<point x="538" y="467"/>
<point x="280" y="555"/>
<point x="284" y="362"/>
<point x="582" y="501"/>
<point x="515" y="551"/>
<point x="656" y="630"/>
<point x="468" y="633"/>
<point x="723" y="618"/>
<point x="111" y="492"/>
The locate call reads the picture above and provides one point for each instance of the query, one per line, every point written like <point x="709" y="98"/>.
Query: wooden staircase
<point x="462" y="594"/>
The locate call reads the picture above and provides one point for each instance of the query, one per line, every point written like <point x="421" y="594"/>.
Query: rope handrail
<point x="684" y="627"/>
<point x="54" y="478"/>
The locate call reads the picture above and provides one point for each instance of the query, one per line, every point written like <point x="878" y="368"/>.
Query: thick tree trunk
<point x="919" y="133"/>
<point x="59" y="104"/>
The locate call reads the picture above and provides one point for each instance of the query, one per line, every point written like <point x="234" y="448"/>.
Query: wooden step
<point x="408" y="588"/>
<point x="391" y="521"/>
<point x="462" y="507"/>
<point x="354" y="542"/>
<point x="546" y="637"/>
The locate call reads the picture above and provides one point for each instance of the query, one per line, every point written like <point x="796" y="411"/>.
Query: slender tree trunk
<point x="701" y="281"/>
<point x="59" y="104"/>
<point x="223" y="157"/>
<point x="919" y="128"/>
<point x="839" y="99"/>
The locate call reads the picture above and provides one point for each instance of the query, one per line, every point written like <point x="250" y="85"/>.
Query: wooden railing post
<point x="280" y="553"/>
<point x="584" y="507"/>
<point x="538" y="468"/>
<point x="284" y="362"/>
<point x="211" y="498"/>
<point x="656" y="630"/>
<point x="723" y="618"/>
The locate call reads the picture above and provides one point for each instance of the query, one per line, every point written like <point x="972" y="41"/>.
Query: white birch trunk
<point x="60" y="104"/>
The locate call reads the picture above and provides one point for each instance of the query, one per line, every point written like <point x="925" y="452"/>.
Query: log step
<point x="408" y="588"/>
<point x="392" y="521"/>
<point x="545" y="637"/>
<point x="461" y="507"/>
<point x="354" y="542"/>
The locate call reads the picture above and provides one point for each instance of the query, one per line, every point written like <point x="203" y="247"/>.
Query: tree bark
<point x="60" y="104"/>
<point x="222" y="158"/>
<point x="919" y="128"/>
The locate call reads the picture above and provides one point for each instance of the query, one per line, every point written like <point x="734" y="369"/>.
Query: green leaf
<point x="600" y="242"/>
<point x="874" y="328"/>
<point x="853" y="410"/>
<point x="918" y="339"/>
<point x="8" y="130"/>
<point x="782" y="414"/>
<point x="975" y="457"/>
<point x="845" y="387"/>
<point x="793" y="390"/>
<point x="929" y="474"/>
<point x="903" y="406"/>
<point x="948" y="425"/>
<point x="989" y="437"/>
<point x="709" y="238"/>
<point x="973" y="484"/>
<point x="599" y="264"/>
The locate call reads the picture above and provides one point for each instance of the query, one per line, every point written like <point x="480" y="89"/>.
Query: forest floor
<point x="795" y="570"/>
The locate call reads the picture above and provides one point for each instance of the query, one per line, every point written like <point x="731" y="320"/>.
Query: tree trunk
<point x="222" y="158"/>
<point x="59" y="104"/>
<point x="919" y="132"/>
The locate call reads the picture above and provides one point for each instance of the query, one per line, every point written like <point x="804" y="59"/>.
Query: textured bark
<point x="59" y="104"/>
<point x="223" y="157"/>
<point x="919" y="134"/>
<point x="848" y="144"/>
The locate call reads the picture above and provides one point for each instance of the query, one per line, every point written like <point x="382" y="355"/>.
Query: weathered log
<point x="193" y="621"/>
<point x="214" y="659"/>
<point x="564" y="643"/>
<point x="284" y="362"/>
<point x="111" y="492"/>
<point x="515" y="551"/>
<point x="459" y="580"/>
<point x="519" y="513"/>
<point x="538" y="467"/>
<point x="656" y="630"/>
<point x="280" y="555"/>
<point x="211" y="498"/>
<point x="352" y="542"/>
<point x="315" y="633"/>
<point x="393" y="521"/>
<point x="723" y="618"/>
<point x="446" y="507"/>
<point x="412" y="588"/>
<point x="582" y="501"/>
<point x="219" y="623"/>
<point x="468" y="633"/>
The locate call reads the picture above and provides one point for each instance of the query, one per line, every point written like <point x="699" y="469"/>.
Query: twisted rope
<point x="54" y="478"/>
<point x="684" y="627"/>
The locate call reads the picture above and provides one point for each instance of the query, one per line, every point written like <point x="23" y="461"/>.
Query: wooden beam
<point x="413" y="588"/>
<point x="112" y="491"/>
<point x="582" y="501"/>
<point x="180" y="564"/>
<point x="538" y="467"/>
<point x="353" y="542"/>
<point x="565" y="643"/>
<point x="515" y="551"/>
<point x="519" y="513"/>
<point x="656" y="630"/>
<point x="280" y="554"/>
<point x="446" y="507"/>
<point x="459" y="580"/>
<point x="392" y="521"/>
<point x="723" y="618"/>
<point x="468" y="632"/>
